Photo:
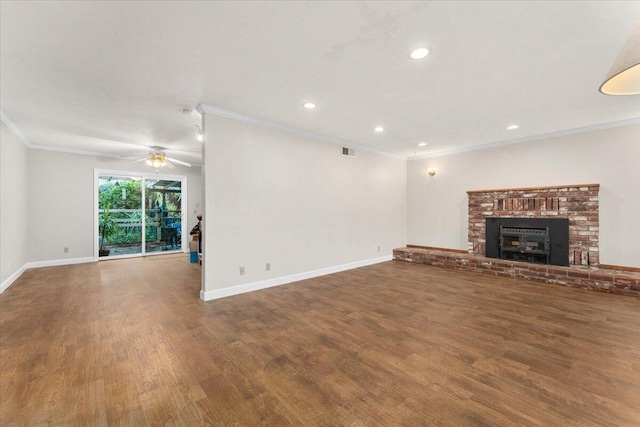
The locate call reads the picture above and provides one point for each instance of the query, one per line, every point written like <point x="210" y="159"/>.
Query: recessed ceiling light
<point x="309" y="105"/>
<point x="200" y="137"/>
<point x="378" y="129"/>
<point x="419" y="53"/>
<point x="423" y="144"/>
<point x="512" y="127"/>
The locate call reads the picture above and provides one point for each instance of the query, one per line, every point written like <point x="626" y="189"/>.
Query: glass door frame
<point x="97" y="173"/>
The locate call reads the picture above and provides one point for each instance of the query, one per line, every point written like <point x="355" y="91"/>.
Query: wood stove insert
<point x="538" y="240"/>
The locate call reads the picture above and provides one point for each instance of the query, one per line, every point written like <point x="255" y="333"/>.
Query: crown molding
<point x="84" y="152"/>
<point x="14" y="129"/>
<point x="203" y="108"/>
<point x="74" y="151"/>
<point x="208" y="109"/>
<point x="566" y="132"/>
<point x="18" y="133"/>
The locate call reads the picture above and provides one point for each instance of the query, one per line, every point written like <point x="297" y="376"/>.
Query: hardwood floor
<point x="129" y="343"/>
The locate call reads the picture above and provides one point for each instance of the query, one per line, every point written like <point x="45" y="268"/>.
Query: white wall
<point x="61" y="209"/>
<point x="13" y="206"/>
<point x="295" y="202"/>
<point x="437" y="206"/>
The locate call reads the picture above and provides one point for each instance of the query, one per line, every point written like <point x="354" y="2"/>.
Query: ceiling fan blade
<point x="135" y="157"/>
<point x="169" y="165"/>
<point x="140" y="159"/>
<point x="180" y="162"/>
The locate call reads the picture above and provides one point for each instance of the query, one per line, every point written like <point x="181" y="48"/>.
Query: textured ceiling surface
<point x="110" y="77"/>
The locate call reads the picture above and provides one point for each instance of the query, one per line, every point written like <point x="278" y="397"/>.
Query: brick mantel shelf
<point x="553" y="187"/>
<point x="579" y="203"/>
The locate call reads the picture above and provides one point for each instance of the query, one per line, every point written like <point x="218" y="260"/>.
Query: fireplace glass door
<point x="524" y="244"/>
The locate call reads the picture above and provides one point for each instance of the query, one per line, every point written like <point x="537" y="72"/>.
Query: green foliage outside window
<point x="125" y="227"/>
<point x="111" y="195"/>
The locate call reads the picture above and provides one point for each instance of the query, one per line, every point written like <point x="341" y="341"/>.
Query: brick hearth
<point x="619" y="282"/>
<point x="578" y="203"/>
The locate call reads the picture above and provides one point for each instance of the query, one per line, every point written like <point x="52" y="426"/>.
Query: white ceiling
<point x="110" y="76"/>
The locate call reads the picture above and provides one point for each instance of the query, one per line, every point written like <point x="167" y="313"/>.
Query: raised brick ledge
<point x="613" y="281"/>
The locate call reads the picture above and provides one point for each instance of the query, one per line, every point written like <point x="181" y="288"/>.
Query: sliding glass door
<point x="138" y="215"/>
<point x="163" y="214"/>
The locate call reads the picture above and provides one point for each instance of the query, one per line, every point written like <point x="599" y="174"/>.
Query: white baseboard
<point x="256" y="286"/>
<point x="56" y="262"/>
<point x="13" y="278"/>
<point x="38" y="264"/>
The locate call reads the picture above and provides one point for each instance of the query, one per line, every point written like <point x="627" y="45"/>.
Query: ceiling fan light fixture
<point x="156" y="160"/>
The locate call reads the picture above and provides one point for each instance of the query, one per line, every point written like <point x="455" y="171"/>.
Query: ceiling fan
<point x="158" y="159"/>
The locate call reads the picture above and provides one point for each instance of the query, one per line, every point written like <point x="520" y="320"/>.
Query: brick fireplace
<point x="578" y="203"/>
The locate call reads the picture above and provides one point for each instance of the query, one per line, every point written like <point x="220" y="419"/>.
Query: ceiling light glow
<point x="423" y="144"/>
<point x="378" y="129"/>
<point x="419" y="53"/>
<point x="157" y="160"/>
<point x="513" y="127"/>
<point x="309" y="105"/>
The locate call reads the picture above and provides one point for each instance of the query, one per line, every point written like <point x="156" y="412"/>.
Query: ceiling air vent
<point x="348" y="152"/>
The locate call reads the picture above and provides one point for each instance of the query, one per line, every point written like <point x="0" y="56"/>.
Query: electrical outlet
<point x="267" y="267"/>
<point x="242" y="271"/>
<point x="66" y="250"/>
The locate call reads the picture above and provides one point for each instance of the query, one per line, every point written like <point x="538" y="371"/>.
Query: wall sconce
<point x="431" y="171"/>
